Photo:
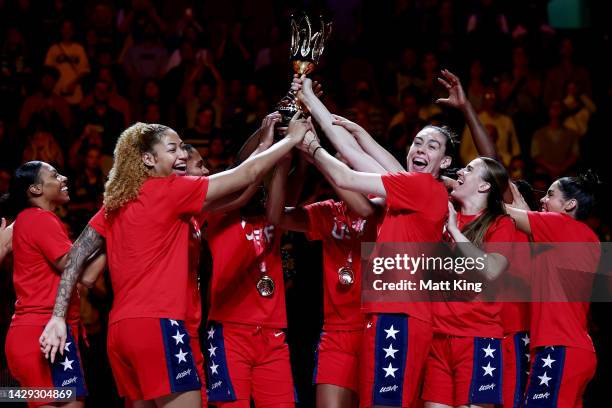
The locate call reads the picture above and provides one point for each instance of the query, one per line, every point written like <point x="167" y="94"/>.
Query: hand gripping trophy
<point x="307" y="45"/>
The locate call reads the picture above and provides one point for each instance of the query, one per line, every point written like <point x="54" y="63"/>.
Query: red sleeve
<point x="502" y="230"/>
<point x="320" y="220"/>
<point x="547" y="226"/>
<point x="500" y="237"/>
<point x="409" y="191"/>
<point x="50" y="237"/>
<point x="187" y="194"/>
<point x="98" y="222"/>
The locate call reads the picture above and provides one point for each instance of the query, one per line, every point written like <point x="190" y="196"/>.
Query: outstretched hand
<point x="456" y="96"/>
<point x="352" y="127"/>
<point x="306" y="86"/>
<point x="310" y="142"/>
<point x="298" y="126"/>
<point x="518" y="201"/>
<point x="267" y="127"/>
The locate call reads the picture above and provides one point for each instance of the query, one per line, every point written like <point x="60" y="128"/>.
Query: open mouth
<point x="419" y="164"/>
<point x="180" y="168"/>
<point x="64" y="189"/>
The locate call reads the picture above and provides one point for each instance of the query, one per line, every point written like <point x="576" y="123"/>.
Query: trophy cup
<point x="307" y="45"/>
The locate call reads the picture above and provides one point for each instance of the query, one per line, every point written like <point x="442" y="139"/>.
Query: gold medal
<point x="346" y="276"/>
<point x="265" y="286"/>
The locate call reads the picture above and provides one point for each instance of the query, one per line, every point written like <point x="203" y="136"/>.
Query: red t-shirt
<point x="239" y="246"/>
<point x="342" y="232"/>
<point x="516" y="283"/>
<point x="146" y="245"/>
<point x="39" y="239"/>
<point x="476" y="318"/>
<point x="194" y="302"/>
<point x="561" y="323"/>
<point x="417" y="208"/>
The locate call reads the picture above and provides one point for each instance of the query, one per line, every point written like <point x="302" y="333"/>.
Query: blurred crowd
<point x="74" y="74"/>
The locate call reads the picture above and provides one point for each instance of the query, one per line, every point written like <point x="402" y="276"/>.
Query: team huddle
<point x="160" y="204"/>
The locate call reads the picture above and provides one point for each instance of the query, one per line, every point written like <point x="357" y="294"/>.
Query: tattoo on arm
<point x="87" y="244"/>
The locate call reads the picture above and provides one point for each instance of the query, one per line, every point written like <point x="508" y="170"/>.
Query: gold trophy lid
<point x="308" y="41"/>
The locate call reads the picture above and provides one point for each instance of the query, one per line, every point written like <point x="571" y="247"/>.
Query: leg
<point x="429" y="404"/>
<point x="272" y="384"/>
<point x="516" y="368"/>
<point x="477" y="371"/>
<point x="392" y="361"/>
<point x="439" y="384"/>
<point x="229" y="365"/>
<point x="333" y="396"/>
<point x="189" y="399"/>
<point x="30" y="368"/>
<point x="336" y="375"/>
<point x="139" y="404"/>
<point x="156" y="368"/>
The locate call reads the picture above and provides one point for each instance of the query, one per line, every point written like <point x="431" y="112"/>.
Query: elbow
<point x="88" y="282"/>
<point x="365" y="211"/>
<point x="495" y="268"/>
<point x="341" y="180"/>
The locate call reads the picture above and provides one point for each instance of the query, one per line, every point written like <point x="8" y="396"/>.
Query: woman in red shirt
<point x="40" y="246"/>
<point x="464" y="366"/>
<point x="145" y="226"/>
<point x="562" y="355"/>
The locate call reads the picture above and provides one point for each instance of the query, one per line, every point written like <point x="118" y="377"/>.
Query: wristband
<point x="315" y="151"/>
<point x="309" y="144"/>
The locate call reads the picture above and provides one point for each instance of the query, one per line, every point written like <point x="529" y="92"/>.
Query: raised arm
<point x="518" y="210"/>
<point x="340" y="138"/>
<point x="53" y="337"/>
<point x="289" y="218"/>
<point x="252" y="169"/>
<point x="340" y="174"/>
<point x="457" y="99"/>
<point x="369" y="145"/>
<point x="264" y="136"/>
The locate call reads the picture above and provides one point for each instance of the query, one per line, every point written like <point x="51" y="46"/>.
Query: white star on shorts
<point x="488" y="370"/>
<point x="548" y="361"/>
<point x="181" y="356"/>
<point x="489" y="351"/>
<point x="390" y="352"/>
<point x="390" y="371"/>
<point x="67" y="364"/>
<point x="178" y="337"/>
<point x="211" y="333"/>
<point x="526" y="339"/>
<point x="544" y="379"/>
<point x="213" y="368"/>
<point x="391" y="332"/>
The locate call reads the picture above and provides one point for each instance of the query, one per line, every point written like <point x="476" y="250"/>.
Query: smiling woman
<point x="145" y="225"/>
<point x="40" y="247"/>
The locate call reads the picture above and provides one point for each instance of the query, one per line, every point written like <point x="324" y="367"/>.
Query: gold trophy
<point x="307" y="45"/>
